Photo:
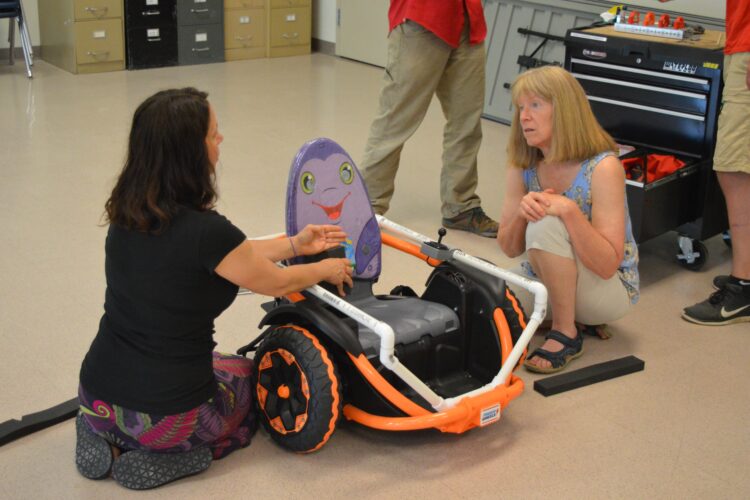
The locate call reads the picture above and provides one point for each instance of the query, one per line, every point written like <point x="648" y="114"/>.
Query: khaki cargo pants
<point x="420" y="65"/>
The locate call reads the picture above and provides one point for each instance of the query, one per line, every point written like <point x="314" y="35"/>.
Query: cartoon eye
<point x="307" y="181"/>
<point x="346" y="172"/>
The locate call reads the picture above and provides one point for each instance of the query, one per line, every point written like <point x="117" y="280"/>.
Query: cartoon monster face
<point x="326" y="188"/>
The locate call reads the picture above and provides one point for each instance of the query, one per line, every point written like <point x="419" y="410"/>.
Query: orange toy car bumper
<point x="470" y="412"/>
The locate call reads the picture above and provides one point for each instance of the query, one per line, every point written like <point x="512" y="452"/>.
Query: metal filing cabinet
<point x="200" y="31"/>
<point x="82" y="36"/>
<point x="244" y="29"/>
<point x="289" y="27"/>
<point x="151" y="33"/>
<point x="660" y="96"/>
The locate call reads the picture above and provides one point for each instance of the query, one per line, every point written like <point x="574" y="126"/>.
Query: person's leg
<point x="416" y="59"/>
<point x="461" y="94"/>
<point x="736" y="189"/>
<point x="731" y="303"/>
<point x="552" y="259"/>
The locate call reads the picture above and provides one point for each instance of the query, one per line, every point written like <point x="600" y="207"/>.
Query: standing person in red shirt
<point x="433" y="48"/>
<point x="731" y="302"/>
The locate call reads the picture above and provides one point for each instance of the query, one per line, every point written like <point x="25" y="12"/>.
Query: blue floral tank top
<point x="580" y="192"/>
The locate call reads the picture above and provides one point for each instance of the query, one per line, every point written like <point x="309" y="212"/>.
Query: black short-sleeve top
<point x="153" y="351"/>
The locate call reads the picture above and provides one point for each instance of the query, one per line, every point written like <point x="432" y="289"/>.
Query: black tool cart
<point x="659" y="97"/>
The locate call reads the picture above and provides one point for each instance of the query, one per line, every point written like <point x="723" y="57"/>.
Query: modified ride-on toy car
<point x="398" y="362"/>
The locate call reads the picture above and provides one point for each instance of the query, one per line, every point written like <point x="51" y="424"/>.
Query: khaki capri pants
<point x="598" y="301"/>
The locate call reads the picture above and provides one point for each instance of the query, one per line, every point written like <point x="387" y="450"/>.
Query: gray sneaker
<point x="721" y="281"/>
<point x="93" y="453"/>
<point x="725" y="306"/>
<point x="473" y="221"/>
<point x="140" y="470"/>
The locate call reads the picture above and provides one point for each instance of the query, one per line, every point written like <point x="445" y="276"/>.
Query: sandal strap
<point x="556" y="359"/>
<point x="566" y="341"/>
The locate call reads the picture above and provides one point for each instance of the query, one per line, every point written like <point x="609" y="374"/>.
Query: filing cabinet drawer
<point x="243" y="4"/>
<point x="290" y="27"/>
<point x="245" y="28"/>
<point x="200" y="44"/>
<point x="144" y="13"/>
<point x="190" y="12"/>
<point x="99" y="41"/>
<point x="289" y="3"/>
<point x="152" y="47"/>
<point x="97" y="9"/>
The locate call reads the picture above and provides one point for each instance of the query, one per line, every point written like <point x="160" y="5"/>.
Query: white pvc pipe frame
<point x="387" y="337"/>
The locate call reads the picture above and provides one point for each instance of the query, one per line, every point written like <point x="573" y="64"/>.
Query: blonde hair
<point x="576" y="135"/>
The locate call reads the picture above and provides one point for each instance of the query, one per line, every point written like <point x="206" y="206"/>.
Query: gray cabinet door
<point x="504" y="45"/>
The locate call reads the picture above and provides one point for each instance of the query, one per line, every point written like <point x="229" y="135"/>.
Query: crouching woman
<point x="565" y="207"/>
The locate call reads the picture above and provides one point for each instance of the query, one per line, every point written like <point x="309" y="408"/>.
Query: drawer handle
<point x="150" y="12"/>
<point x="204" y="49"/>
<point x="243" y="38"/>
<point x="198" y="11"/>
<point x="288" y="36"/>
<point x="98" y="55"/>
<point x="94" y="11"/>
<point x="156" y="39"/>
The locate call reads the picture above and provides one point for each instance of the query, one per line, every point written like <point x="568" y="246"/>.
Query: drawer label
<point x="152" y="33"/>
<point x="152" y="2"/>
<point x="99" y="34"/>
<point x="201" y="37"/>
<point x="244" y="19"/>
<point x="291" y="17"/>
<point x="688" y="69"/>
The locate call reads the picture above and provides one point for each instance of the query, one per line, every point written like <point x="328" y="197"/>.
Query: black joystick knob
<point x="441" y="235"/>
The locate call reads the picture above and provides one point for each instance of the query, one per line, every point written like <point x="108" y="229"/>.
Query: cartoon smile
<point x="333" y="211"/>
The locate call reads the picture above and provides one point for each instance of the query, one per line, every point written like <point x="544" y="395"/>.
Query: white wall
<point x="324" y="20"/>
<point x="32" y="21"/>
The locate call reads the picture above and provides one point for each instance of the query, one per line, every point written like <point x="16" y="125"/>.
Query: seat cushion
<point x="411" y="318"/>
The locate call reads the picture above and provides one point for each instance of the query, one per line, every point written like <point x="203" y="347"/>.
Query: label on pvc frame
<point x="489" y="415"/>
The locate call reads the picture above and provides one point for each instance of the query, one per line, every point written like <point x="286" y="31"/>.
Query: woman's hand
<point x="338" y="272"/>
<point x="536" y="205"/>
<point x="314" y="239"/>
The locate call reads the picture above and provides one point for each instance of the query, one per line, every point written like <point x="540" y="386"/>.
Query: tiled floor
<point x="676" y="430"/>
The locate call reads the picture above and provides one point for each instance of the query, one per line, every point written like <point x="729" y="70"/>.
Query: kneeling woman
<point x="565" y="207"/>
<point x="157" y="403"/>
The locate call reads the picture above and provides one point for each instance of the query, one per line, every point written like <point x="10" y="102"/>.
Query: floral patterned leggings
<point x="224" y="423"/>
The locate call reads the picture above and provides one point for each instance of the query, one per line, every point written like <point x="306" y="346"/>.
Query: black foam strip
<point x="10" y="430"/>
<point x="588" y="375"/>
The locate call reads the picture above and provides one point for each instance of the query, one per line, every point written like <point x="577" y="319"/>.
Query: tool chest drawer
<point x="659" y="98"/>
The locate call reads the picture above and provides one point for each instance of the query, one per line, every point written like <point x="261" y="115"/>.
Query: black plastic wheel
<point x="298" y="390"/>
<point x="700" y="259"/>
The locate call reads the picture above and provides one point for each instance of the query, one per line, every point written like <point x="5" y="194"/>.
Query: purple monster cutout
<point x="325" y="188"/>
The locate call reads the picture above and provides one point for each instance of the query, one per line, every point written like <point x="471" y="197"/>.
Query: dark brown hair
<point x="167" y="166"/>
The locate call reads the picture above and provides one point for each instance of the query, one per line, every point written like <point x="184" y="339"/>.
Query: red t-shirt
<point x="444" y="18"/>
<point x="738" y="26"/>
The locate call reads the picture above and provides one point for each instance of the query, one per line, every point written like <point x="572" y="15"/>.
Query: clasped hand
<point x="535" y="205"/>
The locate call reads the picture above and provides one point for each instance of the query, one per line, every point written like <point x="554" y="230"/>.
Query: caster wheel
<point x="693" y="253"/>
<point x="298" y="389"/>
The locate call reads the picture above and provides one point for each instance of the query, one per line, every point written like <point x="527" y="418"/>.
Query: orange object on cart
<point x="657" y="167"/>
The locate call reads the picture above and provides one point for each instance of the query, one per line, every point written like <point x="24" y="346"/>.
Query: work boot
<point x="473" y="221"/>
